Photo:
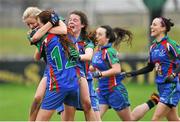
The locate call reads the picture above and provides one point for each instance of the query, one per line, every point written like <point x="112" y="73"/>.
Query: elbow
<point x="34" y="39"/>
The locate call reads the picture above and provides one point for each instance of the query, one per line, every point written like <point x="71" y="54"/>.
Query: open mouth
<point x="152" y="31"/>
<point x="71" y="26"/>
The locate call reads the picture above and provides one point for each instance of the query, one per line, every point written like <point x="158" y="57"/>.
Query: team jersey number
<point x="55" y="55"/>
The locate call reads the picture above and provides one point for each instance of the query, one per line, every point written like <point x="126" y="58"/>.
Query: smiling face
<point x="31" y="22"/>
<point x="75" y="24"/>
<point x="101" y="36"/>
<point x="156" y="28"/>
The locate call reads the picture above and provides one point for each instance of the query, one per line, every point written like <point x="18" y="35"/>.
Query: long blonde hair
<point x="31" y="12"/>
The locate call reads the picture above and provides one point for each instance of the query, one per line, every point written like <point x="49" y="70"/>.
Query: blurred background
<point x="19" y="74"/>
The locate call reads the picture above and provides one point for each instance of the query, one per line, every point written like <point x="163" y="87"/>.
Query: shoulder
<point x="111" y="50"/>
<point x="89" y="43"/>
<point x="51" y="37"/>
<point x="172" y="42"/>
<point x="113" y="53"/>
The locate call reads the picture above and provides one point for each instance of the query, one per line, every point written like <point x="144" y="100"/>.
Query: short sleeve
<point x="173" y="47"/>
<point x="89" y="44"/>
<point x="112" y="54"/>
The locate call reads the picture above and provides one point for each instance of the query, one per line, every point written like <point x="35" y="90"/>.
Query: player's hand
<point x="126" y="74"/>
<point x="30" y="35"/>
<point x="74" y="54"/>
<point x="97" y="74"/>
<point x="54" y="19"/>
<point x="170" y="78"/>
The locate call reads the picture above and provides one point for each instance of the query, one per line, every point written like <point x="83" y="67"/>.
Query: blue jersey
<point x="81" y="46"/>
<point x="103" y="60"/>
<point x="164" y="55"/>
<point x="62" y="72"/>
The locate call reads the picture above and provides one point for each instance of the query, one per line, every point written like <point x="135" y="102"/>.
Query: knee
<point x="37" y="99"/>
<point x="86" y="105"/>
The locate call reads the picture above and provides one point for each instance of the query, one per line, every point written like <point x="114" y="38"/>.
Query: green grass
<point x="15" y="101"/>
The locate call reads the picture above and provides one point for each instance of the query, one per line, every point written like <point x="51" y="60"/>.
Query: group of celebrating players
<point x="74" y="57"/>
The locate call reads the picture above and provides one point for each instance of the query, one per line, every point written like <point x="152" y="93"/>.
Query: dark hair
<point x="84" y="21"/>
<point x="92" y="36"/>
<point x="166" y="23"/>
<point x="117" y="35"/>
<point x="44" y="17"/>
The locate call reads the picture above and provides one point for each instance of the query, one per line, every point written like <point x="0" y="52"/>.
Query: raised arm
<point x="61" y="29"/>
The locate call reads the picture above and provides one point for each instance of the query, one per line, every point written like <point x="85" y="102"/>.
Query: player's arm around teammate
<point x="62" y="80"/>
<point x="30" y="18"/>
<point x="59" y="30"/>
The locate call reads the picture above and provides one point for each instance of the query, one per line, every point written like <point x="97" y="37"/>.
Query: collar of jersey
<point x="106" y="46"/>
<point x="164" y="38"/>
<point x="78" y="39"/>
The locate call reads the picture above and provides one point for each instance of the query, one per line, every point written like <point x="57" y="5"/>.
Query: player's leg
<point x="118" y="100"/>
<point x="169" y="98"/>
<point x="68" y="113"/>
<point x="37" y="99"/>
<point x="173" y="114"/>
<point x="52" y="101"/>
<point x="94" y="99"/>
<point x="98" y="116"/>
<point x="85" y="100"/>
<point x="60" y="111"/>
<point x="103" y="108"/>
<point x="140" y="110"/>
<point x="125" y="114"/>
<point x="44" y="115"/>
<point x="95" y="106"/>
<point x="161" y="111"/>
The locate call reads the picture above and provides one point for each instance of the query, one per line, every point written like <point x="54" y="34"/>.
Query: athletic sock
<point x="150" y="104"/>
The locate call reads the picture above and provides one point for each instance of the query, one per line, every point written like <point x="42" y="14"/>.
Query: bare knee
<point x="37" y="99"/>
<point x="86" y="105"/>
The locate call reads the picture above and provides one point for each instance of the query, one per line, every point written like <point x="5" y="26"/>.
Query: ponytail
<point x="166" y="23"/>
<point x="117" y="35"/>
<point x="122" y="35"/>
